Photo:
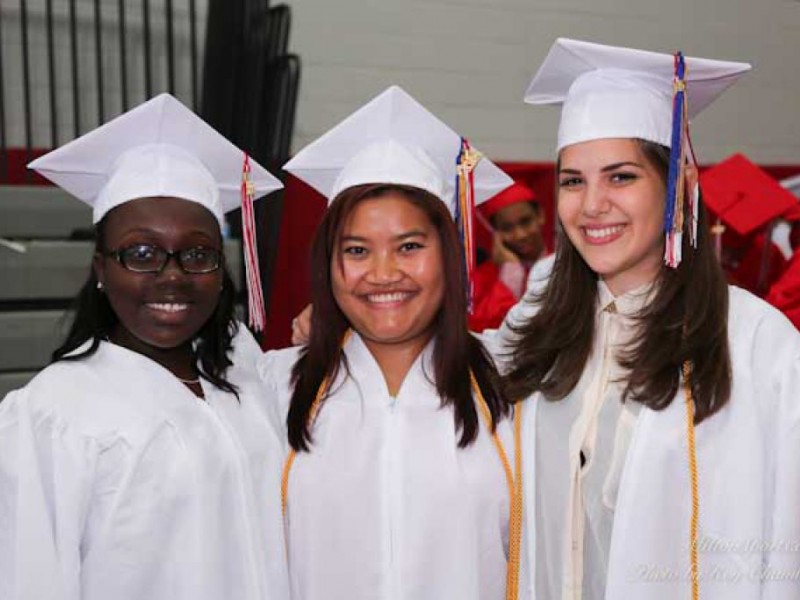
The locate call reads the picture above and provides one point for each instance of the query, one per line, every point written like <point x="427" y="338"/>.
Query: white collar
<point x="628" y="304"/>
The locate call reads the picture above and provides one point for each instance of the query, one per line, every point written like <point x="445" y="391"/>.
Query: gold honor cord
<point x="693" y="477"/>
<point x="312" y="416"/>
<point x="514" y="485"/>
<point x="287" y="466"/>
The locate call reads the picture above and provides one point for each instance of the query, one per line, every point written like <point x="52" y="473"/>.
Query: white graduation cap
<point x="614" y="92"/>
<point x="159" y="148"/>
<point x="392" y="139"/>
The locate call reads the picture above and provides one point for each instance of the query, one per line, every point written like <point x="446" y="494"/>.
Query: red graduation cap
<point x="744" y="196"/>
<point x="793" y="214"/>
<point x="510" y="195"/>
<point x="793" y="185"/>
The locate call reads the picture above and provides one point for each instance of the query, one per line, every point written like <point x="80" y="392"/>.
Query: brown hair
<point x="455" y="350"/>
<point x="686" y="320"/>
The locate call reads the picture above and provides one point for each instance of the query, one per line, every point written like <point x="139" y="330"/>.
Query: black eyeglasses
<point x="148" y="258"/>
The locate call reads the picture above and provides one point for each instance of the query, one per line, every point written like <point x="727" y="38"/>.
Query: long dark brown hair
<point x="455" y="350"/>
<point x="686" y="320"/>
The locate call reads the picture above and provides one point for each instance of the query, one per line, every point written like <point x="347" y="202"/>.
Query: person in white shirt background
<point x="398" y="481"/>
<point x="661" y="449"/>
<point x="140" y="464"/>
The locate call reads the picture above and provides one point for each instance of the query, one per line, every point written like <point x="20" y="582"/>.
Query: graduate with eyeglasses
<point x="139" y="464"/>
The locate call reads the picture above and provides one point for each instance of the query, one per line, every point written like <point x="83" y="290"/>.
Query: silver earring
<point x="100" y="285"/>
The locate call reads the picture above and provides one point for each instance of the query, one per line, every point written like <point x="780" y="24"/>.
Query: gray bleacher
<point x="41" y="270"/>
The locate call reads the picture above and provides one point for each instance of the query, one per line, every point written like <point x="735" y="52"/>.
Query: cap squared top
<point x="744" y="196"/>
<point x="615" y="92"/>
<point x="392" y="139"/>
<point x="159" y="148"/>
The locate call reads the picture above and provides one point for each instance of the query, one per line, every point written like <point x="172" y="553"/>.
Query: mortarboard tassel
<point x="255" y="298"/>
<point x="694" y="197"/>
<point x="676" y="180"/>
<point x="466" y="161"/>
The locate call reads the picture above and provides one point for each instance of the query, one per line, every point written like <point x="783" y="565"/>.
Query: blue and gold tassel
<point x="680" y="150"/>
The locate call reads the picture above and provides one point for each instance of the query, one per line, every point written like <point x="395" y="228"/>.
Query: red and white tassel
<point x="257" y="316"/>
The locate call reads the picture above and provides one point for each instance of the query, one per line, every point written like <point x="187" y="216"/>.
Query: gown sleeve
<point x="776" y="355"/>
<point x="246" y="349"/>
<point x="46" y="475"/>
<point x="275" y="371"/>
<point x="500" y="341"/>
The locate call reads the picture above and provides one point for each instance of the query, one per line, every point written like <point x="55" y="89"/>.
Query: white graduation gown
<point x="385" y="505"/>
<point x="749" y="481"/>
<point x="117" y="483"/>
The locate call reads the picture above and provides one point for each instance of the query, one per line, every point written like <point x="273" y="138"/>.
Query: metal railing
<point x="110" y="25"/>
<point x="249" y="84"/>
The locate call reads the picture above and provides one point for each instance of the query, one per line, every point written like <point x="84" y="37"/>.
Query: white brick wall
<point x="470" y="60"/>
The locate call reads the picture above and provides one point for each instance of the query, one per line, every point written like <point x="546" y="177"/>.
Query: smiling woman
<point x="397" y="483"/>
<point x="611" y="206"/>
<point x="160" y="310"/>
<point x="662" y="403"/>
<point x="386" y="268"/>
<point x="139" y="464"/>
